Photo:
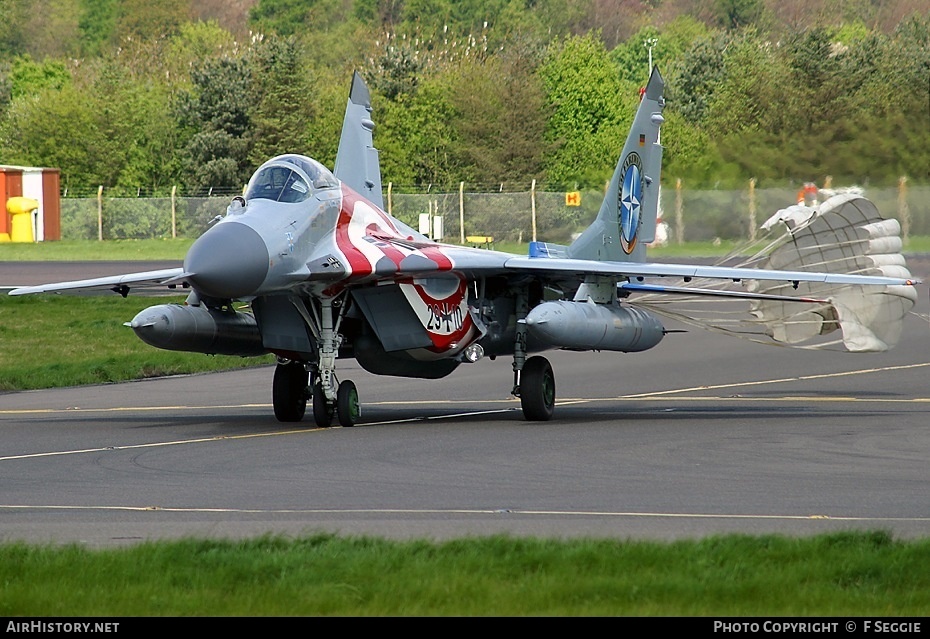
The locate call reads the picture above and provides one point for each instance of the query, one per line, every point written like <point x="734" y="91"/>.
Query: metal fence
<point x="691" y="215"/>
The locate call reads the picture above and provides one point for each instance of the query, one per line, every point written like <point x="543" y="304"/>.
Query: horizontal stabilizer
<point x="547" y="249"/>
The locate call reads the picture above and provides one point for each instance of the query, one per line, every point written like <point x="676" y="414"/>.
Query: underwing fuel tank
<point x="588" y="326"/>
<point x="198" y="330"/>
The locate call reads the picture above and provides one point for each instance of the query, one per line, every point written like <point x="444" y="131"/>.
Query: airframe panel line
<point x="465" y="511"/>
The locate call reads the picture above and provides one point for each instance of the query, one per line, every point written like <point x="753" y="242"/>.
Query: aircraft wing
<point x="423" y="259"/>
<point x="641" y="270"/>
<point x="119" y="283"/>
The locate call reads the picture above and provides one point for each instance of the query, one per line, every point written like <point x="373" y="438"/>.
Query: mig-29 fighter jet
<point x="326" y="274"/>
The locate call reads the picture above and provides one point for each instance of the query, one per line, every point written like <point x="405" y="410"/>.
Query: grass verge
<point x="59" y="340"/>
<point x="91" y="250"/>
<point x="854" y="574"/>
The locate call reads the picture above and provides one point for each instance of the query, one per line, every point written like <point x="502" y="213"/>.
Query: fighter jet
<point x="307" y="265"/>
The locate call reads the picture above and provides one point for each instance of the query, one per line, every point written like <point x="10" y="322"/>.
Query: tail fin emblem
<point x="631" y="194"/>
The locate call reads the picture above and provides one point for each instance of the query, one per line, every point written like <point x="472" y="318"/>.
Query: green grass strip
<point x="53" y="341"/>
<point x="839" y="574"/>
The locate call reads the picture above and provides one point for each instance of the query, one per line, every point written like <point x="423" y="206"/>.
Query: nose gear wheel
<point x="347" y="407"/>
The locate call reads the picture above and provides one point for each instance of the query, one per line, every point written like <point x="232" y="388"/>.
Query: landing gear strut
<point x="322" y="408"/>
<point x="329" y="395"/>
<point x="533" y="379"/>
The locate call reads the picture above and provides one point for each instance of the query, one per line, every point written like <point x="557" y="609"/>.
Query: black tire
<point x="322" y="409"/>
<point x="347" y="407"/>
<point x="289" y="392"/>
<point x="537" y="389"/>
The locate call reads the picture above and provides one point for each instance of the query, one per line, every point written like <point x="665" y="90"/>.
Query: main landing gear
<point x="294" y="386"/>
<point x="290" y="391"/>
<point x="533" y="379"/>
<point x="537" y="389"/>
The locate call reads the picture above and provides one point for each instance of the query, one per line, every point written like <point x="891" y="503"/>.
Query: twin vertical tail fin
<point x="627" y="218"/>
<point x="357" y="163"/>
<point x="626" y="221"/>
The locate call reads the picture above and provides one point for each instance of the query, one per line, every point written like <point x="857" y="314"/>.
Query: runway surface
<point x="704" y="434"/>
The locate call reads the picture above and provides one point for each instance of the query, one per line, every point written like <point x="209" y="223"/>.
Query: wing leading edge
<point x="637" y="270"/>
<point x="483" y="262"/>
<point x="119" y="283"/>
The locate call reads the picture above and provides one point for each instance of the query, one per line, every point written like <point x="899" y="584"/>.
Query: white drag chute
<point x="844" y="234"/>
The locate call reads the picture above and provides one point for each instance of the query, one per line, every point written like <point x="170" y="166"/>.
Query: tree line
<point x="140" y="96"/>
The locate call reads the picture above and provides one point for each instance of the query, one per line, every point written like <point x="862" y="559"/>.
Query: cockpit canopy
<point x="289" y="178"/>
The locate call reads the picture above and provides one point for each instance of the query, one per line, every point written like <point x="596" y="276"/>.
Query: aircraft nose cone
<point x="228" y="261"/>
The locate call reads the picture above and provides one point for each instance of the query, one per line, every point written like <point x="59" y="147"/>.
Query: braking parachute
<point x="844" y="234"/>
